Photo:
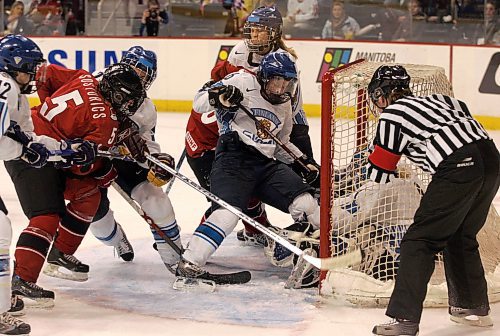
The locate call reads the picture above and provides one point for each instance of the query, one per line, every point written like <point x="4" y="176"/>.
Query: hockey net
<point x="356" y="212"/>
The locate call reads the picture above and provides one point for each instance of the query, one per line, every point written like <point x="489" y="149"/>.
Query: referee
<point x="438" y="134"/>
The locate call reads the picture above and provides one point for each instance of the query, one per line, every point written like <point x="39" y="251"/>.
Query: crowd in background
<point x="453" y="21"/>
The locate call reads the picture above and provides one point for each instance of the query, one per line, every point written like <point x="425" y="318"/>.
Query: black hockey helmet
<point x="122" y="87"/>
<point x="387" y="79"/>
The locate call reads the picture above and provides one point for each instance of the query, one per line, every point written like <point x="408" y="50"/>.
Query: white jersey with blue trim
<point x="145" y="117"/>
<point x="276" y="118"/>
<point x="14" y="107"/>
<point x="240" y="56"/>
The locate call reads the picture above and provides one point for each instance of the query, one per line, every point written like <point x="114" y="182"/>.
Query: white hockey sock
<point x="209" y="235"/>
<point x="5" y="275"/>
<point x="106" y="230"/>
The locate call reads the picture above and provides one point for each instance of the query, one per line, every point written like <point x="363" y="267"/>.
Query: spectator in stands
<point x="389" y="20"/>
<point x="469" y="9"/>
<point x="491" y="24"/>
<point x="301" y="15"/>
<point x="340" y="26"/>
<point x="17" y="22"/>
<point x="439" y="11"/>
<point x="412" y="24"/>
<point x="151" y="18"/>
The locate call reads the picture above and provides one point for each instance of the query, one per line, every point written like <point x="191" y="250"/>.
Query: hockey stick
<point x="148" y="219"/>
<point x="177" y="168"/>
<point x="313" y="175"/>
<point x="348" y="259"/>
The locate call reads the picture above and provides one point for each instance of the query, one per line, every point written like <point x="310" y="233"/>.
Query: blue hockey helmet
<point x="262" y="19"/>
<point x="20" y="54"/>
<point x="122" y="87"/>
<point x="145" y="61"/>
<point x="278" y="77"/>
<point x="387" y="79"/>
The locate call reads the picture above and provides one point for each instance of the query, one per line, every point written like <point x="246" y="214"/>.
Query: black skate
<point x="16" y="306"/>
<point x="479" y="317"/>
<point x="190" y="276"/>
<point x="9" y="325"/>
<point x="397" y="327"/>
<point x="252" y="239"/>
<point x="124" y="248"/>
<point x="65" y="266"/>
<point x="39" y="297"/>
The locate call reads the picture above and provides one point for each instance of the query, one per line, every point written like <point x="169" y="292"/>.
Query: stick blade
<point x="194" y="285"/>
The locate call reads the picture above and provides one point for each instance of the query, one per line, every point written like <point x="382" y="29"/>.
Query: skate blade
<point x="473" y="320"/>
<point x="63" y="273"/>
<point x="30" y="303"/>
<point x="194" y="285"/>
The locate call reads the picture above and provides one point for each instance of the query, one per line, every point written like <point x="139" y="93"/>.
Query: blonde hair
<point x="281" y="44"/>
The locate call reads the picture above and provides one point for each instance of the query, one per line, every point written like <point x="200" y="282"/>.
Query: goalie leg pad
<point x="304" y="275"/>
<point x="209" y="235"/>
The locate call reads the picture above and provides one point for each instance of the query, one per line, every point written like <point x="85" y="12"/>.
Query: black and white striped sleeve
<point x="389" y="143"/>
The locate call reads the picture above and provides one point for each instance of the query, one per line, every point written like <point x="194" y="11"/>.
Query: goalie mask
<point x="388" y="79"/>
<point x="262" y="29"/>
<point x="122" y="87"/>
<point x="21" y="54"/>
<point x="144" y="62"/>
<point x="277" y="76"/>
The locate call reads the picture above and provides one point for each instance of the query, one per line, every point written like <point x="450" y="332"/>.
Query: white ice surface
<point x="137" y="298"/>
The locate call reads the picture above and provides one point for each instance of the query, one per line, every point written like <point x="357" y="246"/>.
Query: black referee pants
<point x="451" y="213"/>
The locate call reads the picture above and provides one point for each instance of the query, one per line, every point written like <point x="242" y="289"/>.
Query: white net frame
<point x="358" y="213"/>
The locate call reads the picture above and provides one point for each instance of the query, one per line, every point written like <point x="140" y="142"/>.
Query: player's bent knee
<point x="154" y="202"/>
<point x="303" y="204"/>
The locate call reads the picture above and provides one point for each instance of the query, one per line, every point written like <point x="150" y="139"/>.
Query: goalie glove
<point x="308" y="169"/>
<point x="130" y="143"/>
<point x="157" y="175"/>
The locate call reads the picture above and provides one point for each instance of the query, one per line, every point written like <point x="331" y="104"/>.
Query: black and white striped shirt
<point x="425" y="129"/>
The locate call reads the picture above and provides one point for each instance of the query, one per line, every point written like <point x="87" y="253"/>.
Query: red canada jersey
<point x="202" y="133"/>
<point x="50" y="78"/>
<point x="77" y="110"/>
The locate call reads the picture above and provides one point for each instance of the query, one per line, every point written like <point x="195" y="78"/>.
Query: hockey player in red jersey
<point x="81" y="109"/>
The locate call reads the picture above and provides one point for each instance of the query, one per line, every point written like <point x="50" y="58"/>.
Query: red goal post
<point x="358" y="213"/>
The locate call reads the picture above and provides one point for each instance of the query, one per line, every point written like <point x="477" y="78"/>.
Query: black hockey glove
<point x="308" y="169"/>
<point x="85" y="152"/>
<point x="36" y="154"/>
<point x="225" y="97"/>
<point x="157" y="175"/>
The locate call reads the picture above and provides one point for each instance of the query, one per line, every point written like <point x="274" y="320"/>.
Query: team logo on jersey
<point x="223" y="53"/>
<point x="333" y="58"/>
<point x="268" y="121"/>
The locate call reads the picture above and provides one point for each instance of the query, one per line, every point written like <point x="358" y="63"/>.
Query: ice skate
<point x="124" y="248"/>
<point x="16" y="306"/>
<point x="251" y="239"/>
<point x="37" y="296"/>
<point x="65" y="266"/>
<point x="473" y="317"/>
<point x="9" y="325"/>
<point x="397" y="327"/>
<point x="190" y="275"/>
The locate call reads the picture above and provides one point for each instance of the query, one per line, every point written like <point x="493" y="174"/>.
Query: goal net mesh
<point x="357" y="213"/>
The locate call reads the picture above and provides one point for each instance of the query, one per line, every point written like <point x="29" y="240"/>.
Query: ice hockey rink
<point x="137" y="298"/>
